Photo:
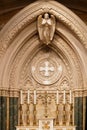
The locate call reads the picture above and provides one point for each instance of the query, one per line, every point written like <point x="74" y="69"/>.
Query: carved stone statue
<point x="24" y="110"/>
<point x="67" y="113"/>
<point x="24" y="114"/>
<point x="46" y="28"/>
<point x="60" y="114"/>
<point x="52" y="109"/>
<point x="40" y="110"/>
<point x="31" y="115"/>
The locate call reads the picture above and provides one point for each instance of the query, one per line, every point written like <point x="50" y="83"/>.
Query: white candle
<point x="57" y="97"/>
<point x="21" y="96"/>
<point x="64" y="101"/>
<point x="28" y="100"/>
<point x="34" y="96"/>
<point x="70" y="97"/>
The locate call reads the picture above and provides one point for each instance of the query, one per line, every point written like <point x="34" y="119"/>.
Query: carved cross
<point x="47" y="69"/>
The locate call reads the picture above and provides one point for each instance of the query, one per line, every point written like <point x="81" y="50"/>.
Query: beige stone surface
<point x="28" y="64"/>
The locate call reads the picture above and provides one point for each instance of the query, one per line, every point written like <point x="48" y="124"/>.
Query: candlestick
<point x="34" y="96"/>
<point x="21" y="97"/>
<point x="70" y="97"/>
<point x="57" y="97"/>
<point x="28" y="100"/>
<point x="64" y="97"/>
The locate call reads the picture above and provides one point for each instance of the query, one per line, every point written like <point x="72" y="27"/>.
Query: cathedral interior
<point x="43" y="64"/>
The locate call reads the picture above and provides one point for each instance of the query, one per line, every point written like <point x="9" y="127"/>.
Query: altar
<point x="48" y="103"/>
<point x="55" y="128"/>
<point x="46" y="113"/>
<point x="46" y="124"/>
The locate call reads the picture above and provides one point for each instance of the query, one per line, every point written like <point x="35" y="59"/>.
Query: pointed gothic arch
<point x="20" y="46"/>
<point x="21" y="31"/>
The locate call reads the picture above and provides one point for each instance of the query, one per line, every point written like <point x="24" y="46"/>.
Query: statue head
<point x="46" y="15"/>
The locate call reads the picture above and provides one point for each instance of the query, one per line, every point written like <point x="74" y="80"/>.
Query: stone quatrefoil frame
<point x="19" y="42"/>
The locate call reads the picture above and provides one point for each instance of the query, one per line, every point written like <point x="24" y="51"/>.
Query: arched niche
<point x="19" y="44"/>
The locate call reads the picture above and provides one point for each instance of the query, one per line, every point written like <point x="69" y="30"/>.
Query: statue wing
<point x="40" y="26"/>
<point x="52" y="31"/>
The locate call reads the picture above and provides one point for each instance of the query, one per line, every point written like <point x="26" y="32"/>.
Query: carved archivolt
<point x="23" y="57"/>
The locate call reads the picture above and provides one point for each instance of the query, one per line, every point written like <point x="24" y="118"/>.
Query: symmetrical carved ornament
<point x="46" y="27"/>
<point x="44" y="67"/>
<point x="38" y="8"/>
<point x="39" y="63"/>
<point x="16" y="93"/>
<point x="44" y="105"/>
<point x="46" y="70"/>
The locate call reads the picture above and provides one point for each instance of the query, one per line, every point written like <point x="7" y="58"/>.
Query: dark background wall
<point x="9" y="8"/>
<point x="12" y="4"/>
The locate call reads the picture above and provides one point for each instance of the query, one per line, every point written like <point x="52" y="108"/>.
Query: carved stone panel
<point x="46" y="68"/>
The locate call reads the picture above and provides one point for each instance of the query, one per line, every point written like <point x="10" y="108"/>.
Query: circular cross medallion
<point x="46" y="71"/>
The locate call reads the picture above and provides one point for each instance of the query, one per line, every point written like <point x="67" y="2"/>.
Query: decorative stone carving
<point x="60" y="114"/>
<point x="24" y="114"/>
<point x="24" y="110"/>
<point x="18" y="24"/>
<point x="46" y="69"/>
<point x="31" y="115"/>
<point x="68" y="114"/>
<point x="46" y="28"/>
<point x="46" y="124"/>
<point x="64" y="85"/>
<point x="40" y="110"/>
<point x="51" y="109"/>
<point x="46" y="107"/>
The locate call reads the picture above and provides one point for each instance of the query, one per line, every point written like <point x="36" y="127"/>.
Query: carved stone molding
<point x="9" y="93"/>
<point x="19" y="44"/>
<point x="80" y="93"/>
<point x="46" y="68"/>
<point x="16" y="93"/>
<point x="62" y="14"/>
<point x="24" y="69"/>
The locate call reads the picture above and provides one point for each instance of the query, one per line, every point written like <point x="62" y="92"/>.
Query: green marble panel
<point x="11" y="124"/>
<point x="78" y="113"/>
<point x="0" y="113"/>
<point x="13" y="112"/>
<point x="3" y="113"/>
<point x="86" y="116"/>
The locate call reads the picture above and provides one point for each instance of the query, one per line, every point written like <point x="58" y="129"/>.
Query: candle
<point x="57" y="97"/>
<point x="34" y="96"/>
<point x="21" y="96"/>
<point x="28" y="100"/>
<point x="64" y="101"/>
<point x="70" y="97"/>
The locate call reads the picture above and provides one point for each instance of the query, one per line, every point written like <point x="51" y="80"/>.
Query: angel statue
<point x="46" y="28"/>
